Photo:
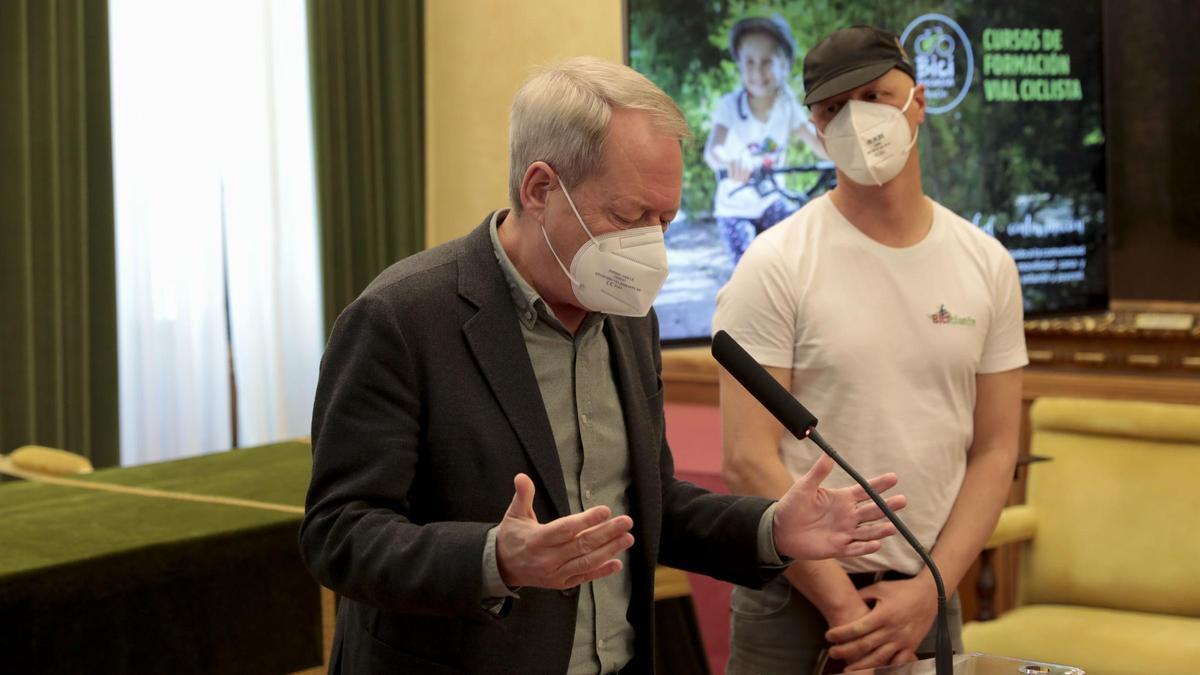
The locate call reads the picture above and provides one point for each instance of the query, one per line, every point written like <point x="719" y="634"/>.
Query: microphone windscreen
<point x="764" y="388"/>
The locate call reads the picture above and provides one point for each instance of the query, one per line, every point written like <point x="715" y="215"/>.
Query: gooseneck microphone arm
<point x="942" y="649"/>
<point x="803" y="424"/>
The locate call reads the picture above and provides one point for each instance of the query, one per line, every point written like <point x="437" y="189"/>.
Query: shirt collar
<point x="529" y="303"/>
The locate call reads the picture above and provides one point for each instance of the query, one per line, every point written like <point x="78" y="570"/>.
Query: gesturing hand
<point x="562" y="553"/>
<point x="812" y="522"/>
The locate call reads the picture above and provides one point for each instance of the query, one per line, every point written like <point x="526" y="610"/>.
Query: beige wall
<point x="477" y="53"/>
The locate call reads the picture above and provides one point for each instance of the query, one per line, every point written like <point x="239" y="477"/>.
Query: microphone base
<point x="976" y="664"/>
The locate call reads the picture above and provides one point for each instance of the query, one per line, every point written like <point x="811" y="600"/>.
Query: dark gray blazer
<point x="427" y="406"/>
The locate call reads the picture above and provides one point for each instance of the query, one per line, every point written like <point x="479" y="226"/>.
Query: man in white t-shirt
<point x="900" y="325"/>
<point x="752" y="129"/>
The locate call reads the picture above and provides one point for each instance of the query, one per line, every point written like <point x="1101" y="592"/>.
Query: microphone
<point x="803" y="424"/>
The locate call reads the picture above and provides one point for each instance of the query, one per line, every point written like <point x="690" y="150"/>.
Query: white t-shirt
<point x="753" y="140"/>
<point x="884" y="344"/>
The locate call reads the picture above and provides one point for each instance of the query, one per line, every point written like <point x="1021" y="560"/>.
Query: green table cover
<point x="98" y="582"/>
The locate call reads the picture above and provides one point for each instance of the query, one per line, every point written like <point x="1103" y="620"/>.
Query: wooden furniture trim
<point x="690" y="376"/>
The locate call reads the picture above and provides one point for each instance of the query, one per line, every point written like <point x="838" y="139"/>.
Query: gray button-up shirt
<point x="575" y="377"/>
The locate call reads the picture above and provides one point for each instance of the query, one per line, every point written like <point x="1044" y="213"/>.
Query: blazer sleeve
<point x="704" y="532"/>
<point x="356" y="536"/>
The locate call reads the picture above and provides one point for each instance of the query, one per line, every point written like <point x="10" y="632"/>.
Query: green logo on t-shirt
<point x="944" y="317"/>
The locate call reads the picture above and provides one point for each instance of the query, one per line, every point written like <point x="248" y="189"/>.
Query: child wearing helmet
<point x="753" y="127"/>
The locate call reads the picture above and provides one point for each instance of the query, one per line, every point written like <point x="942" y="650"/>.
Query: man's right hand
<point x="560" y="554"/>
<point x="739" y="171"/>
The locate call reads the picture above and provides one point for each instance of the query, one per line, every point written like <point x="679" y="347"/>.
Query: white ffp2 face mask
<point x="618" y="273"/>
<point x="870" y="142"/>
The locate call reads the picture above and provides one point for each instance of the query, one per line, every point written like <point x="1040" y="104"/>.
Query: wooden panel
<point x="690" y="376"/>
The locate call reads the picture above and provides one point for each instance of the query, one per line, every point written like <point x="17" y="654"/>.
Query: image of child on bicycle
<point x="753" y="128"/>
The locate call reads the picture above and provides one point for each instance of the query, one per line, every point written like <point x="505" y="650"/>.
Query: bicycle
<point x="739" y="232"/>
<point x="763" y="181"/>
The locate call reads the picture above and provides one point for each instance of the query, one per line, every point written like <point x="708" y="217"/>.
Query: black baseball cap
<point x="849" y="58"/>
<point x="774" y="26"/>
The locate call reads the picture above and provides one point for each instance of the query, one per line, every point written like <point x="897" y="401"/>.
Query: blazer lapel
<point x="645" y="443"/>
<point x="496" y="340"/>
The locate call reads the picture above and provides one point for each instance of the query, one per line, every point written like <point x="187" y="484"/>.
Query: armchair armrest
<point x="1017" y="523"/>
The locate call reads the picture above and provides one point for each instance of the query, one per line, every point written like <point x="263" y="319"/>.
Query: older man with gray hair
<point x="492" y="488"/>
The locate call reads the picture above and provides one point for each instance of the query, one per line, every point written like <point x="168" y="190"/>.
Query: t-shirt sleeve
<point x="757" y="307"/>
<point x="1004" y="348"/>
<point x="723" y="111"/>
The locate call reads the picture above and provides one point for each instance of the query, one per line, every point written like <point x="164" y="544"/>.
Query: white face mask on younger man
<point x="618" y="273"/>
<point x="870" y="142"/>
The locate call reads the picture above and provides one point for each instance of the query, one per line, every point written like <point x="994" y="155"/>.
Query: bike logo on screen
<point x="942" y="58"/>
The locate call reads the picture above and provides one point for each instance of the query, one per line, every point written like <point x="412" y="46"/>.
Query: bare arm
<point x="716" y="139"/>
<point x="719" y="158"/>
<point x="750" y="438"/>
<point x="990" y="465"/>
<point x="805" y="133"/>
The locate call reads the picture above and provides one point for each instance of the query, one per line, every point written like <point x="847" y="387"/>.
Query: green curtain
<point x="366" y="60"/>
<point x="58" y="335"/>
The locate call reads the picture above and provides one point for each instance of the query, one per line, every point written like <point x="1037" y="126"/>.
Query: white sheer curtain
<point x="215" y="219"/>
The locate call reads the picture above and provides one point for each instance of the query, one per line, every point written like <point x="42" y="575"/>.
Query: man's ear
<point x="538" y="182"/>
<point x="919" y="101"/>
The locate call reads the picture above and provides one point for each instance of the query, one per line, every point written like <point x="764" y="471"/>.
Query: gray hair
<point x="560" y="116"/>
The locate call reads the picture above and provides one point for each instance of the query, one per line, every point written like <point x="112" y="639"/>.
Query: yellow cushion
<point x="50" y="461"/>
<point x="1116" y="515"/>
<point x="1100" y="641"/>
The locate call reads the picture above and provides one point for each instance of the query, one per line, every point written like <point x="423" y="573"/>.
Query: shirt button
<point x="529" y="316"/>
<point x="584" y="417"/>
<point x="600" y="644"/>
<point x="587" y="494"/>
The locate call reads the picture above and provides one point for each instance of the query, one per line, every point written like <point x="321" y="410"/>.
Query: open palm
<point x="812" y="522"/>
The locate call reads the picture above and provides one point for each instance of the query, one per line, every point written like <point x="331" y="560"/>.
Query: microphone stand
<point x="943" y="663"/>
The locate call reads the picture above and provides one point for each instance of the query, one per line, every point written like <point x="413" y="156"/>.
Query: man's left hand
<point x="813" y="523"/>
<point x="902" y="612"/>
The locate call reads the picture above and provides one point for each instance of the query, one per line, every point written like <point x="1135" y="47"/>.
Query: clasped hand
<point x="901" y="614"/>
